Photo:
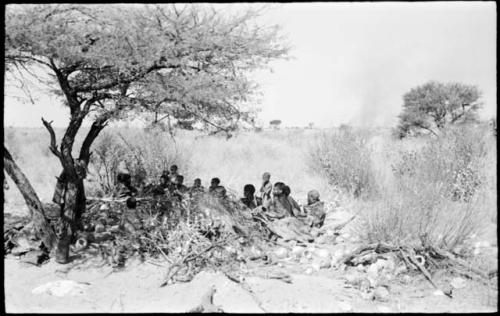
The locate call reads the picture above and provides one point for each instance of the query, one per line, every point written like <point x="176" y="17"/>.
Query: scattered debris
<point x="35" y="257"/>
<point x="61" y="288"/>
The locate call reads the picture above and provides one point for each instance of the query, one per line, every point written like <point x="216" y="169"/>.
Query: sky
<point x="351" y="63"/>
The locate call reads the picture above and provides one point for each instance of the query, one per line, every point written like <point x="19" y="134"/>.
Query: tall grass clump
<point x="441" y="194"/>
<point x="145" y="154"/>
<point x="344" y="156"/>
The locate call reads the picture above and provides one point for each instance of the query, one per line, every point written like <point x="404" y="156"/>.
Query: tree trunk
<point x="73" y="195"/>
<point x="73" y="208"/>
<point x="43" y="228"/>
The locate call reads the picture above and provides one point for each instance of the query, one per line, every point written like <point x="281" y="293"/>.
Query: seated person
<point x="166" y="173"/>
<point x="278" y="207"/>
<point x="294" y="205"/>
<point x="173" y="173"/>
<point x="125" y="187"/>
<point x="266" y="188"/>
<point x="315" y="209"/>
<point x="219" y="192"/>
<point x="163" y="186"/>
<point x="178" y="187"/>
<point x="130" y="220"/>
<point x="214" y="183"/>
<point x="197" y="187"/>
<point x="249" y="198"/>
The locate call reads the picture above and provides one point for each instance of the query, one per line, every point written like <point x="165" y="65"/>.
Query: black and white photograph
<point x="294" y="157"/>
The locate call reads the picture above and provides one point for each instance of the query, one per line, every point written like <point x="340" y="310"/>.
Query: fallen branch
<point x="341" y="226"/>
<point x="409" y="265"/>
<point x="187" y="258"/>
<point x="426" y="273"/>
<point x="111" y="199"/>
<point x="465" y="264"/>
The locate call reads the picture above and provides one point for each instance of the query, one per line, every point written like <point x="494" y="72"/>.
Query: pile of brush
<point x="198" y="233"/>
<point x="424" y="259"/>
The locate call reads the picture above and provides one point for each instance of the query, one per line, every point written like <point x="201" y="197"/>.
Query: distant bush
<point x="345" y="156"/>
<point x="453" y="161"/>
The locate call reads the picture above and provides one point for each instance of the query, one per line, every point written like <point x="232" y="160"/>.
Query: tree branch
<point x="65" y="87"/>
<point x="53" y="143"/>
<point x="22" y="58"/>
<point x="35" y="207"/>
<point x="98" y="125"/>
<point x="426" y="128"/>
<point x="114" y="83"/>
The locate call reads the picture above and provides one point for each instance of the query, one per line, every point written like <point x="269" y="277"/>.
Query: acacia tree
<point x="112" y="60"/>
<point x="275" y="123"/>
<point x="433" y="106"/>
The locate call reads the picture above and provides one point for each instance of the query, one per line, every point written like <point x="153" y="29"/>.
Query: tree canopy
<point x="275" y="122"/>
<point x="433" y="106"/>
<point x="190" y="62"/>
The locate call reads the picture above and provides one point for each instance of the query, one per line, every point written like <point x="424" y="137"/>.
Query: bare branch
<point x="53" y="143"/>
<point x="24" y="59"/>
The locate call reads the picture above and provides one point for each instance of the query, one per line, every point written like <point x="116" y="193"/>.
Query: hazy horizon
<point x="352" y="62"/>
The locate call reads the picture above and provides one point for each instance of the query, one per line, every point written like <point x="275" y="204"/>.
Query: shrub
<point x="345" y="157"/>
<point x="145" y="154"/>
<point x="441" y="194"/>
<point x="420" y="216"/>
<point x="454" y="160"/>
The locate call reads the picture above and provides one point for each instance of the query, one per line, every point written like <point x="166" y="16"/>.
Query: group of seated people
<point x="171" y="182"/>
<point x="274" y="201"/>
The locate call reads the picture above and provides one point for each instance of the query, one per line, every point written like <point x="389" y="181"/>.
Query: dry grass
<point x="441" y="192"/>
<point x="236" y="161"/>
<point x="146" y="154"/>
<point x="345" y="156"/>
<point x="415" y="196"/>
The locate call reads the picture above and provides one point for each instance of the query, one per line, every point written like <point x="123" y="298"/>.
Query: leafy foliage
<point x="189" y="63"/>
<point x="433" y="106"/>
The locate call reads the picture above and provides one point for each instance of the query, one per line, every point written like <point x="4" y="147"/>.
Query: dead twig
<point x="341" y="226"/>
<point x="411" y="256"/>
<point x="187" y="258"/>
<point x="464" y="264"/>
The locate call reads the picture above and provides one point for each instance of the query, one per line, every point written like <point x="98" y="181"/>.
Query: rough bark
<point x="43" y="228"/>
<point x="73" y="208"/>
<point x="96" y="128"/>
<point x="71" y="184"/>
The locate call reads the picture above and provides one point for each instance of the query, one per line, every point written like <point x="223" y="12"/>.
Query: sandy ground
<point x="136" y="289"/>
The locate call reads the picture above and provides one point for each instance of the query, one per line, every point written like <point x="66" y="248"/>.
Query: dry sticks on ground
<point x="421" y="259"/>
<point x="189" y="256"/>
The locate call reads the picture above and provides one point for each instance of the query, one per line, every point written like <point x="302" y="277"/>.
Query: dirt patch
<point x="136" y="289"/>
